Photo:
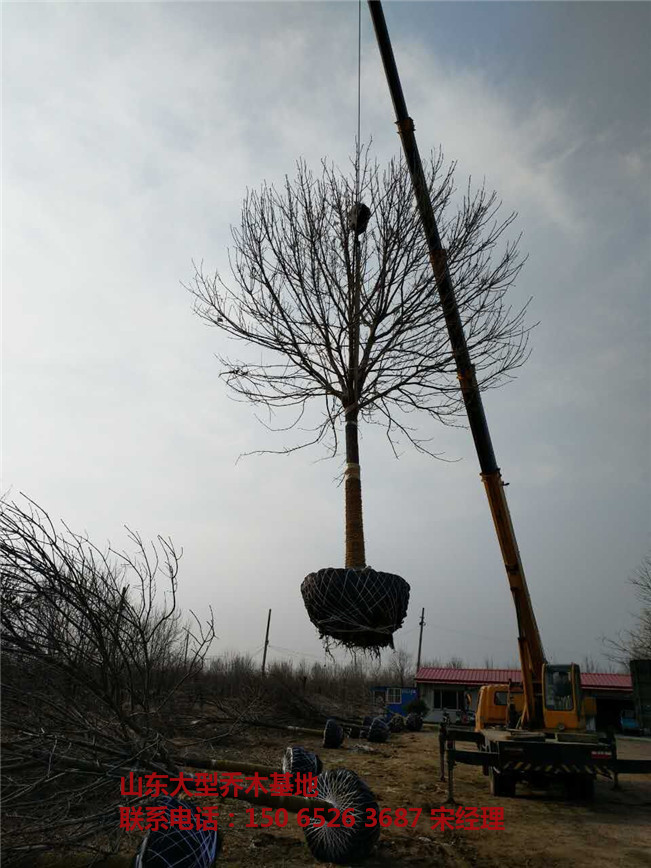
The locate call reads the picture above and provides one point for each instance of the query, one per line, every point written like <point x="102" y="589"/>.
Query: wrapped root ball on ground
<point x="333" y="734"/>
<point x="299" y="761"/>
<point x="414" y="722"/>
<point x="175" y="846"/>
<point x="343" y="844"/>
<point x="397" y="723"/>
<point x="378" y="731"/>
<point x="356" y="607"/>
<point x="354" y="731"/>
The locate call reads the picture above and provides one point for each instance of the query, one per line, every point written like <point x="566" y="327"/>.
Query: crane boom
<point x="532" y="657"/>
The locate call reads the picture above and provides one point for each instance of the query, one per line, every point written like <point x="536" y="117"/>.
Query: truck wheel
<point x="501" y="784"/>
<point x="586" y="788"/>
<point x="580" y="787"/>
<point x="343" y="844"/>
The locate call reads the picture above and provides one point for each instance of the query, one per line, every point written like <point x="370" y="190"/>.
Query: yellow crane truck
<point x="501" y="705"/>
<point x="545" y="736"/>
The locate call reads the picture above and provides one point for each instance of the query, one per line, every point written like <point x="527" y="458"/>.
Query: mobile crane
<point x="547" y="737"/>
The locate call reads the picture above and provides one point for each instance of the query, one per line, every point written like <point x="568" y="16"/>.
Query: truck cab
<point x="562" y="698"/>
<point x="564" y="706"/>
<point x="494" y="703"/>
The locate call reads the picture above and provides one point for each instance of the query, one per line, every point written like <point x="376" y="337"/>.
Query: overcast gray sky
<point x="131" y="132"/>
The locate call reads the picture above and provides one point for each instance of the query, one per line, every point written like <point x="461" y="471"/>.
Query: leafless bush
<point x="635" y="644"/>
<point x="92" y="656"/>
<point x="297" y="691"/>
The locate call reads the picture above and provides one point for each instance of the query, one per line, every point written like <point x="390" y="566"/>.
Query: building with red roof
<point x="447" y="690"/>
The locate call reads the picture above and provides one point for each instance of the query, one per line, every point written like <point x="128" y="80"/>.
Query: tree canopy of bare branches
<point x="91" y="657"/>
<point x="291" y="293"/>
<point x="636" y="643"/>
<point x="345" y="311"/>
<point x="402" y="667"/>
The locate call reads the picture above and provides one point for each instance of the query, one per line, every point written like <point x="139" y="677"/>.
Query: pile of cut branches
<point x="92" y="657"/>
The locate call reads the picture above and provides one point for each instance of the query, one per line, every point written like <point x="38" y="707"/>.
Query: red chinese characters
<point x="468" y="818"/>
<point x="224" y="784"/>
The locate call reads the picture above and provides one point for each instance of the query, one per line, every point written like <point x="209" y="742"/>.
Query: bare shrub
<point x="92" y="656"/>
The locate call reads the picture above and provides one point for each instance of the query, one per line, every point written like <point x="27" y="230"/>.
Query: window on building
<point x="500" y="697"/>
<point x="394" y="695"/>
<point x="450" y="698"/>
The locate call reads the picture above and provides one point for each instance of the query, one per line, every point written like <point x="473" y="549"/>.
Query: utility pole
<point x="420" y="639"/>
<point x="266" y="643"/>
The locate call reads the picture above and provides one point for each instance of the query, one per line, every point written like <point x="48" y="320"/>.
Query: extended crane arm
<point x="532" y="656"/>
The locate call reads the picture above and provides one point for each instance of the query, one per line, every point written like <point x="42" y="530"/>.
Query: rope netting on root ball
<point x="378" y="731"/>
<point x="356" y="607"/>
<point x="414" y="722"/>
<point x="333" y="734"/>
<point x="176" y="846"/>
<point x="397" y="723"/>
<point x="299" y="761"/>
<point x="355" y="731"/>
<point x="351" y="840"/>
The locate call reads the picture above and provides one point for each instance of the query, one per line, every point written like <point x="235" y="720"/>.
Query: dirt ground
<point x="540" y="829"/>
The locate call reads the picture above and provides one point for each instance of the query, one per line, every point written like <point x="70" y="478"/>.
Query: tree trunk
<point x="355" y="555"/>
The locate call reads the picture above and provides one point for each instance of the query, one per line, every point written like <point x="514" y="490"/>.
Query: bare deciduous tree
<point x="432" y="664"/>
<point x="402" y="666"/>
<point x="636" y="643"/>
<point x="356" y="323"/>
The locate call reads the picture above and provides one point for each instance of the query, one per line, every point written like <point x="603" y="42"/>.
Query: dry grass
<point x="541" y="830"/>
